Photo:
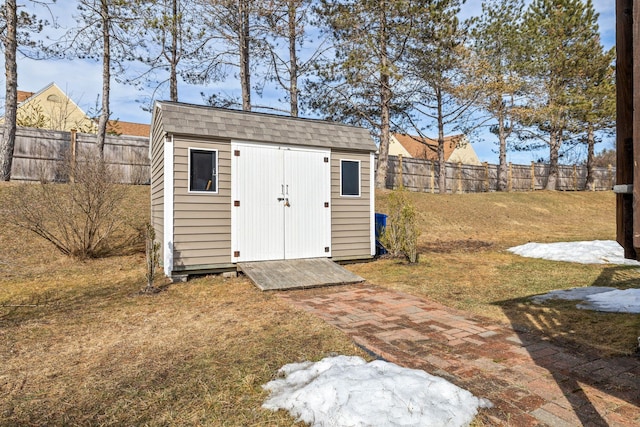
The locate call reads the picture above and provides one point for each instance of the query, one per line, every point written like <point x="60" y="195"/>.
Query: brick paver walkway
<point x="530" y="381"/>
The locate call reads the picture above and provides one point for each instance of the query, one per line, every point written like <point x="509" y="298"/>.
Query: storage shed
<point x="230" y="186"/>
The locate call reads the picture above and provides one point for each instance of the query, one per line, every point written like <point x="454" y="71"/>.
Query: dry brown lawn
<point x="80" y="345"/>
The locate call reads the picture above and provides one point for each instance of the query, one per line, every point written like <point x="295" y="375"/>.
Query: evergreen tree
<point x="495" y="73"/>
<point x="594" y="102"/>
<point x="438" y="64"/>
<point x="558" y="41"/>
<point x="361" y="84"/>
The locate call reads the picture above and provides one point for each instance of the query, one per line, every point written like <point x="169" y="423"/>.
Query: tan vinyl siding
<point x="157" y="181"/>
<point x="202" y="221"/>
<point x="350" y="216"/>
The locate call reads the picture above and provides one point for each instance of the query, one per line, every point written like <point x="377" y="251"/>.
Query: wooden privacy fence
<point x="41" y="154"/>
<point x="422" y="175"/>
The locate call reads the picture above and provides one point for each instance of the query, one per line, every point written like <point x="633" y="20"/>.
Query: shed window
<point x="350" y="178"/>
<point x="203" y="170"/>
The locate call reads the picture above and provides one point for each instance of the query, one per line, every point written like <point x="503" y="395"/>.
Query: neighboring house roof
<point x="427" y="148"/>
<point x="128" y="128"/>
<point x="68" y="115"/>
<point x="23" y="96"/>
<point x="456" y="148"/>
<point x="195" y="120"/>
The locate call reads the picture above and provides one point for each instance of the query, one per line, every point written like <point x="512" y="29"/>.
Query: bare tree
<point x="12" y="38"/>
<point x="173" y="35"/>
<point x="235" y="41"/>
<point x="105" y="31"/>
<point x="287" y="21"/>
<point x="10" y="42"/>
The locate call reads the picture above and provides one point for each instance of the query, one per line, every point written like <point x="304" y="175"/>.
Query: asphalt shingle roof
<point x="194" y="120"/>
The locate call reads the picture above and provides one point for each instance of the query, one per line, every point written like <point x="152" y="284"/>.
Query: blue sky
<point x="81" y="79"/>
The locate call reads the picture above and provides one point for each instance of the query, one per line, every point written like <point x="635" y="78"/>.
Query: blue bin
<point x="381" y="223"/>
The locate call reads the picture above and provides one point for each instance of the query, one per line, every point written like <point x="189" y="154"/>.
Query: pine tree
<point x="495" y="75"/>
<point x="558" y="40"/>
<point x="438" y="62"/>
<point x="594" y="102"/>
<point x="361" y="84"/>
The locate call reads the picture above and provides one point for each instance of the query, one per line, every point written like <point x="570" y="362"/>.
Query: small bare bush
<point x="152" y="252"/>
<point x="400" y="236"/>
<point x="78" y="218"/>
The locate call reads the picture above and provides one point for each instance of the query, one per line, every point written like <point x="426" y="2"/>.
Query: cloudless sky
<point x="82" y="80"/>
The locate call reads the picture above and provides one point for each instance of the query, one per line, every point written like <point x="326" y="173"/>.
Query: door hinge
<point x="236" y="153"/>
<point x="236" y="203"/>
<point x="236" y="254"/>
<point x="326" y="204"/>
<point x="326" y="248"/>
<point x="326" y="160"/>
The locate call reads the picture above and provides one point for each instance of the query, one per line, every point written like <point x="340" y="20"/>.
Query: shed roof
<point x="196" y="120"/>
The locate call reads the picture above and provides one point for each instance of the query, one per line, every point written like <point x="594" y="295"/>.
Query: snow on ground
<point x="594" y="252"/>
<point x="598" y="298"/>
<point x="348" y="391"/>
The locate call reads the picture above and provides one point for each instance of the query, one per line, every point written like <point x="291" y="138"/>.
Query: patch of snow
<point x="616" y="301"/>
<point x="598" y="298"/>
<point x="592" y="252"/>
<point x="348" y="391"/>
<point x="572" y="294"/>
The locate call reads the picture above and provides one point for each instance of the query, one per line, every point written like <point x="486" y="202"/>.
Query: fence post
<point x="433" y="177"/>
<point x="509" y="178"/>
<point x="611" y="179"/>
<point x="400" y="178"/>
<point x="486" y="176"/>
<point x="72" y="164"/>
<point x="533" y="176"/>
<point x="575" y="177"/>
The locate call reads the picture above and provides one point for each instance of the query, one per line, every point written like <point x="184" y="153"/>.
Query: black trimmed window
<point x="203" y="170"/>
<point x="350" y="178"/>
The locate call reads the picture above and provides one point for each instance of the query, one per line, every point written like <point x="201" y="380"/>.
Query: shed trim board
<point x="168" y="205"/>
<point x="215" y="230"/>
<point x="372" y="192"/>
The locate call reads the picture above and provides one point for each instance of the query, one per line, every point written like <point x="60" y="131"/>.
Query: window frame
<point x="359" y="163"/>
<point x="216" y="166"/>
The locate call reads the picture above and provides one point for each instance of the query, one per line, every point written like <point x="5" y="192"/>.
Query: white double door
<point x="280" y="202"/>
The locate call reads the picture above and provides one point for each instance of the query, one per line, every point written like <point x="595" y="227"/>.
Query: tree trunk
<point x="106" y="75"/>
<point x="591" y="142"/>
<point x="245" y="74"/>
<point x="503" y="184"/>
<point x="385" y="102"/>
<point x="173" y="77"/>
<point x="442" y="167"/>
<point x="293" y="59"/>
<point x="11" y="102"/>
<point x="554" y="148"/>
